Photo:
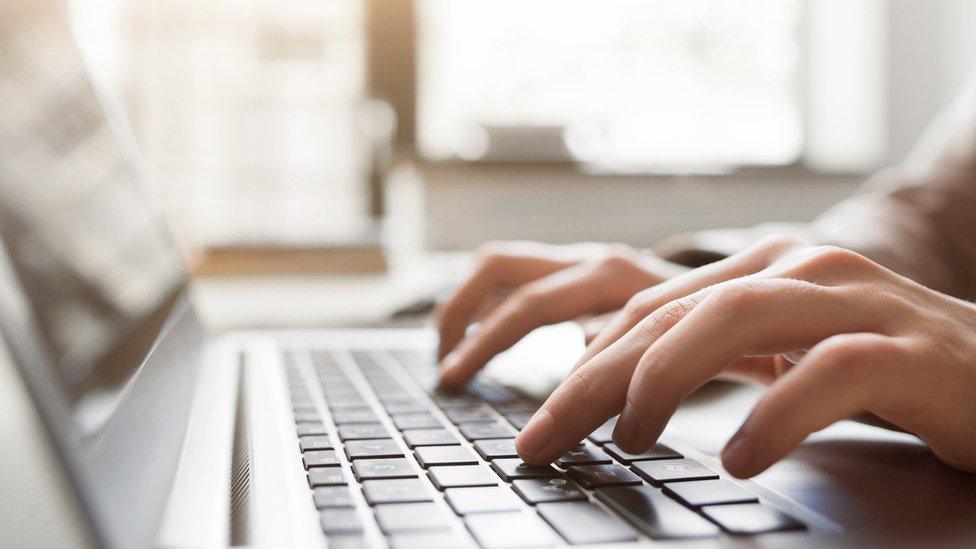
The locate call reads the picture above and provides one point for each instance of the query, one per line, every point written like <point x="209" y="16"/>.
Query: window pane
<point x="624" y="82"/>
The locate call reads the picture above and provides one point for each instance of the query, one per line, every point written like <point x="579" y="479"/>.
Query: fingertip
<point x="532" y="443"/>
<point x="740" y="457"/>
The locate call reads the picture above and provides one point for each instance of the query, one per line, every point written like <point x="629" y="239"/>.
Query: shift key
<point x="655" y="514"/>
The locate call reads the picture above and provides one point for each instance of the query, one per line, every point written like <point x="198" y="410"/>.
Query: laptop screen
<point x="97" y="269"/>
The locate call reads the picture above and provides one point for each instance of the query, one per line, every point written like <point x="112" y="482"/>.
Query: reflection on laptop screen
<point x="98" y="270"/>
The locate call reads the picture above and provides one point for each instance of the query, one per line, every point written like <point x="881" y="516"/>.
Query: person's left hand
<point x="875" y="342"/>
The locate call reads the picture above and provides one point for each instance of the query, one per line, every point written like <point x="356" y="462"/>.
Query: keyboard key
<point x="402" y="490"/>
<point x="409" y="517"/>
<point x="343" y="417"/>
<point x="667" y="470"/>
<point x="335" y="401"/>
<point x="519" y="419"/>
<point x="362" y="431"/>
<point x="424" y="420"/>
<point x="655" y="514"/>
<point x="460" y="476"/>
<point x="478" y="431"/>
<point x="585" y="454"/>
<point x="515" y="468"/>
<point x="340" y="521"/>
<point x="505" y="530"/>
<point x="314" y="429"/>
<point x="658" y="451"/>
<point x="473" y="414"/>
<point x="332" y="496"/>
<point x="315" y="443"/>
<point x="517" y="405"/>
<point x="383" y="468"/>
<point x="307" y="417"/>
<point x="445" y="455"/>
<point x="751" y="518"/>
<point x="391" y="395"/>
<point x="603" y="433"/>
<point x="496" y="448"/>
<point x="347" y="541"/>
<point x="548" y="490"/>
<point x="709" y="492"/>
<point x="375" y="448"/>
<point x="488" y="499"/>
<point x="456" y="401"/>
<point x="351" y="404"/>
<point x="595" y="476"/>
<point x="320" y="458"/>
<point x="427" y="540"/>
<point x="582" y="522"/>
<point x="429" y="437"/>
<point x="326" y="476"/>
<point x="310" y="409"/>
<point x="406" y="406"/>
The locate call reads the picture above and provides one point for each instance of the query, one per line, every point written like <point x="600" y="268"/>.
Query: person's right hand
<point x="519" y="286"/>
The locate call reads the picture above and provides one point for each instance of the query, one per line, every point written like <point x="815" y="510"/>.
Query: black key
<point x="429" y="437"/>
<point x="439" y="539"/>
<point x="585" y="454"/>
<point x="332" y="496"/>
<point x="445" y="455"/>
<point x="478" y="431"/>
<point x="488" y="499"/>
<point x="582" y="522"/>
<point x="594" y="476"/>
<point x="402" y="490"/>
<point x="519" y="419"/>
<point x="461" y="476"/>
<point x="423" y="420"/>
<point x="658" y="451"/>
<point x="320" y="458"/>
<point x="326" y="476"/>
<point x="496" y="448"/>
<point x="315" y="443"/>
<point x="655" y="514"/>
<point x="603" y="433"/>
<point x="383" y="468"/>
<point x="709" y="492"/>
<point x="343" y="417"/>
<point x="362" y="431"/>
<point x="517" y="405"/>
<point x="472" y="414"/>
<point x="307" y="417"/>
<point x="375" y="448"/>
<point x="515" y="468"/>
<point x="340" y="521"/>
<point x="315" y="429"/>
<point x="456" y="401"/>
<point x="514" y="529"/>
<point x="548" y="490"/>
<point x="751" y="518"/>
<point x="405" y="406"/>
<point x="667" y="470"/>
<point x="409" y="517"/>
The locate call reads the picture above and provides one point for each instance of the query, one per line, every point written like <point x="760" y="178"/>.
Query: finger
<point x="834" y="381"/>
<point x="600" y="383"/>
<point x="594" y="325"/>
<point x="496" y="271"/>
<point x="559" y="297"/>
<point x="746" y="317"/>
<point x="746" y="263"/>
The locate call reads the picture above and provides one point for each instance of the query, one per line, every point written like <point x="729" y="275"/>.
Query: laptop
<point x="128" y="424"/>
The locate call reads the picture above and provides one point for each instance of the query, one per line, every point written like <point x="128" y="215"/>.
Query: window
<point x="646" y="83"/>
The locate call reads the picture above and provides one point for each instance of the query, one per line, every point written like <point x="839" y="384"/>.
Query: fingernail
<point x="739" y="456"/>
<point x="626" y="430"/>
<point x="535" y="436"/>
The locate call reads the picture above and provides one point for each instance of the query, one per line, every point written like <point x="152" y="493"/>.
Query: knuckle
<point x="579" y="383"/>
<point x="619" y="257"/>
<point x="778" y="243"/>
<point x="670" y="314"/>
<point x="737" y="297"/>
<point x="835" y="257"/>
<point x="639" y="305"/>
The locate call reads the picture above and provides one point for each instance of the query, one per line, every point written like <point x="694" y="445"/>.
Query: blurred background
<point x="444" y="123"/>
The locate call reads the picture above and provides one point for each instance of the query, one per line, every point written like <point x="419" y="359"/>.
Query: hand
<point x="875" y="342"/>
<point x="517" y="287"/>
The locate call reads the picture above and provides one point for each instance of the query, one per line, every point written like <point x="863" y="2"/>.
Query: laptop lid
<point x="90" y="282"/>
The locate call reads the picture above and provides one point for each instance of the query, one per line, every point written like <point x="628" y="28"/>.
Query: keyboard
<point x="391" y="463"/>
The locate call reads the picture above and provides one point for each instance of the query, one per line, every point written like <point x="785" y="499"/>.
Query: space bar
<point x="655" y="514"/>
